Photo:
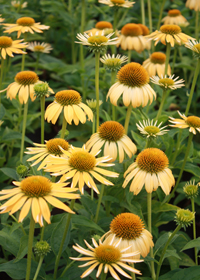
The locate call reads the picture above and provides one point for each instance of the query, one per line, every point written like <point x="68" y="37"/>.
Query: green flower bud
<point x="191" y="189"/>
<point x="96" y="237"/>
<point x="22" y="170"/>
<point x="184" y="217"/>
<point x="41" y="89"/>
<point x="42" y="248"/>
<point x="93" y="103"/>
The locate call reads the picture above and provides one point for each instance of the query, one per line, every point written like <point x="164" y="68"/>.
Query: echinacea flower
<point x="39" y="47"/>
<point x="111" y="135"/>
<point x="175" y="17"/>
<point x="113" y="62"/>
<point x="35" y="192"/>
<point x="81" y="166"/>
<point x="119" y="3"/>
<point x="24" y="24"/>
<point x="169" y="33"/>
<point x="23" y="86"/>
<point x="192" y="122"/>
<point x="18" y="4"/>
<point x="194" y="46"/>
<point x="8" y="46"/>
<point x="155" y="65"/>
<point x="107" y="257"/>
<point x="150" y="169"/>
<point x="131" y="230"/>
<point x="102" y="27"/>
<point x="150" y="129"/>
<point x="193" y="5"/>
<point x="168" y="82"/>
<point x="42" y="152"/>
<point x="132" y="83"/>
<point x="70" y="102"/>
<point x="191" y="189"/>
<point x="92" y="103"/>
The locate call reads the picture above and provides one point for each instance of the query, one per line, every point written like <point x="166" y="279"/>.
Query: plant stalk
<point x="24" y="128"/>
<point x="99" y="203"/>
<point x="38" y="267"/>
<point x="194" y="230"/>
<point x="128" y="116"/>
<point x="30" y="245"/>
<point x="97" y="56"/>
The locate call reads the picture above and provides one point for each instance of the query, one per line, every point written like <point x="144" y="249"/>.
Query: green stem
<point x="38" y="267"/>
<point x="99" y="203"/>
<point x="193" y="87"/>
<point x="97" y="56"/>
<point x="68" y="266"/>
<point x="24" y="128"/>
<point x="143" y="12"/>
<point x="1" y="77"/>
<point x="20" y="5"/>
<point x="64" y="125"/>
<point x="129" y="55"/>
<point x="81" y="48"/>
<point x="149" y="14"/>
<point x="30" y="246"/>
<point x="162" y="103"/>
<point x="113" y="76"/>
<point x="177" y="147"/>
<point x="181" y="59"/>
<point x="63" y="239"/>
<point x="128" y="116"/>
<point x="37" y="61"/>
<point x="23" y="55"/>
<point x="115" y="19"/>
<point x="160" y="15"/>
<point x="174" y="59"/>
<point x="164" y="250"/>
<point x="42" y="106"/>
<point x="167" y="57"/>
<point x="103" y="275"/>
<point x="194" y="231"/>
<point x="197" y="25"/>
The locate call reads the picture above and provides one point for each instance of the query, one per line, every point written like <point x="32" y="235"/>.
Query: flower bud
<point x="191" y="189"/>
<point x="41" y="89"/>
<point x="42" y="248"/>
<point x="184" y="217"/>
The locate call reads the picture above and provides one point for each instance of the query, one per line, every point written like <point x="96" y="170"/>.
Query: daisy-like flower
<point x="155" y="65"/>
<point x="97" y="42"/>
<point x="23" y="86"/>
<point x="169" y="33"/>
<point x="168" y="83"/>
<point x="131" y="38"/>
<point x="119" y="3"/>
<point x="193" y="5"/>
<point x="102" y="27"/>
<point x="39" y="47"/>
<point x="175" y="17"/>
<point x="150" y="169"/>
<point x="132" y="83"/>
<point x="17" y="4"/>
<point x="74" y="109"/>
<point x="8" y="46"/>
<point x="111" y="135"/>
<point x="42" y="152"/>
<point x="81" y="166"/>
<point x="192" y="122"/>
<point x="194" y="46"/>
<point x="150" y="129"/>
<point x="25" y="24"/>
<point x="131" y="230"/>
<point x="113" y="63"/>
<point x="145" y="31"/>
<point x="36" y="192"/>
<point x="108" y="257"/>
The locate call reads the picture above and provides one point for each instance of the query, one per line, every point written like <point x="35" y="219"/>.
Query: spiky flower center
<point x="174" y="13"/>
<point x="53" y="146"/>
<point x="190" y="190"/>
<point x="103" y="24"/>
<point x="170" y="29"/>
<point x="145" y="29"/>
<point x="38" y="48"/>
<point x="36" y="186"/>
<point x="152" y="130"/>
<point x="133" y="75"/>
<point x="127" y="226"/>
<point x="184" y="217"/>
<point x="158" y="57"/>
<point x="5" y="42"/>
<point x="25" y="21"/>
<point x="113" y="62"/>
<point x="82" y="161"/>
<point x="152" y="160"/>
<point x="118" y="1"/>
<point x="26" y="78"/>
<point x="107" y="254"/>
<point x="97" y="39"/>
<point x="131" y="29"/>
<point x="193" y="121"/>
<point x="68" y="97"/>
<point x="111" y="131"/>
<point x="166" y="82"/>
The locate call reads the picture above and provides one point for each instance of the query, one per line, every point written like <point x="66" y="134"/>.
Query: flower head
<point x="150" y="129"/>
<point x="70" y="102"/>
<point x="150" y="169"/>
<point x="8" y="46"/>
<point x="36" y="192"/>
<point x="92" y="103"/>
<point x="39" y="47"/>
<point x="132" y="83"/>
<point x="175" y="17"/>
<point x="107" y="257"/>
<point x="192" y="122"/>
<point x="131" y="230"/>
<point x="155" y="65"/>
<point x="184" y="217"/>
<point x="102" y="27"/>
<point x="42" y="89"/>
<point x="113" y="63"/>
<point x="193" y="5"/>
<point x="81" y="166"/>
<point x="17" y="4"/>
<point x="191" y="189"/>
<point x="42" y="152"/>
<point x="42" y="248"/>
<point x="194" y="46"/>
<point x="167" y="83"/>
<point x="118" y="3"/>
<point x="25" y="24"/>
<point x="169" y="33"/>
<point x="111" y="135"/>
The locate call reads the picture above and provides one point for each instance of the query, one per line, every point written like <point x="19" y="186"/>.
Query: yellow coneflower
<point x="113" y="62"/>
<point x="175" y="17"/>
<point x="17" y="4"/>
<point x="131" y="230"/>
<point x="168" y="82"/>
<point x="39" y="47"/>
<point x="107" y="257"/>
<point x="194" y="46"/>
<point x="150" y="129"/>
<point x="35" y="192"/>
<point x="155" y="65"/>
<point x="8" y="46"/>
<point x="192" y="122"/>
<point x="120" y="3"/>
<point x="149" y="169"/>
<point x="193" y="5"/>
<point x="102" y="27"/>
<point x="111" y="135"/>
<point x="24" y="24"/>
<point x="132" y="83"/>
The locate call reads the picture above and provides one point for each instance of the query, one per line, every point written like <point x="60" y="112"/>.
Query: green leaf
<point x="194" y="169"/>
<point x="191" y="273"/>
<point x="108" y="118"/>
<point x="23" y="248"/>
<point x="192" y="244"/>
<point x="138" y="139"/>
<point x="9" y="243"/>
<point x="185" y="260"/>
<point x="83" y="221"/>
<point x="10" y="172"/>
<point x="158" y="207"/>
<point x="171" y="253"/>
<point x="160" y="243"/>
<point x="2" y="111"/>
<point x="14" y="135"/>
